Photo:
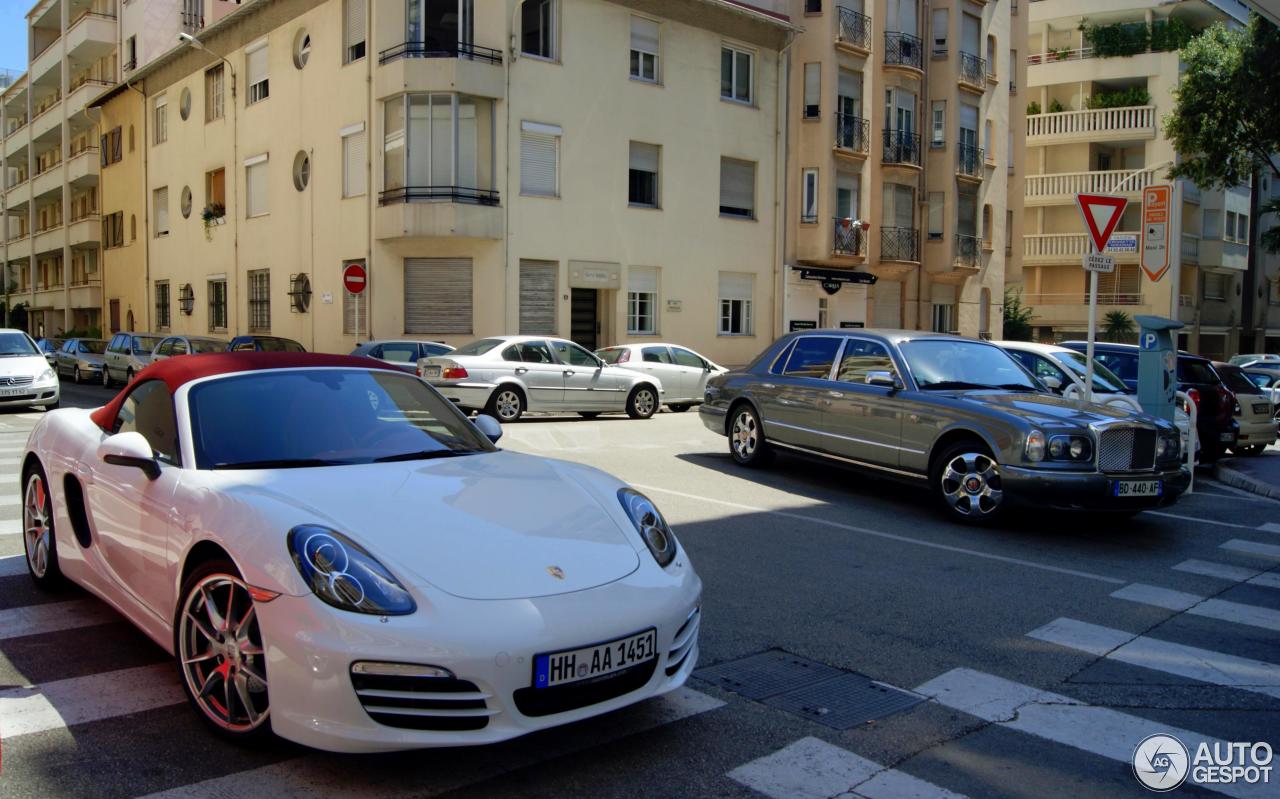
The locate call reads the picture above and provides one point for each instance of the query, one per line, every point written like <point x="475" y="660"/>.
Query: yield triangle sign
<point x="1101" y="214"/>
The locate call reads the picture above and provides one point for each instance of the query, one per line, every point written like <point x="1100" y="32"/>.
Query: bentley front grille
<point x="1126" y="449"/>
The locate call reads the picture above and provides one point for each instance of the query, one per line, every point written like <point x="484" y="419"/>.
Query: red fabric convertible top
<point x="179" y="371"/>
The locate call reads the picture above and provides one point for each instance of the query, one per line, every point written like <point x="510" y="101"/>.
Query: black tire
<point x="39" y="540"/>
<point x="679" y="407"/>
<point x="643" y="402"/>
<point x="1249" y="451"/>
<point x="128" y="375"/>
<point x="195" y="633"/>
<point x="106" y="377"/>
<point x="588" y="414"/>
<point x="747" y="443"/>
<point x="76" y="376"/>
<point x="965" y="480"/>
<point x="53" y="406"/>
<point x="506" y="404"/>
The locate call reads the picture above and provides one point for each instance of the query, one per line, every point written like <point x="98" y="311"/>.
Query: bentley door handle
<point x="767" y="385"/>
<point x="835" y="395"/>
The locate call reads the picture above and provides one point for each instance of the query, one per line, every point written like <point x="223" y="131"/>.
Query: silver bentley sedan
<point x="958" y="415"/>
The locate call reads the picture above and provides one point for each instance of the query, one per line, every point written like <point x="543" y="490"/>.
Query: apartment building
<point x="902" y="163"/>
<point x="602" y="170"/>
<point x="1100" y="75"/>
<point x="1260" y="298"/>
<point x="49" y="160"/>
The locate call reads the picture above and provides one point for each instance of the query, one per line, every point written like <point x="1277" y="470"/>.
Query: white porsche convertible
<point x="333" y="553"/>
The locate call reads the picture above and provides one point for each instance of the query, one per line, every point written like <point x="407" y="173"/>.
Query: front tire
<point x="128" y="376"/>
<point x="966" y="480"/>
<point x="76" y="376"/>
<point x="106" y="377"/>
<point x="747" y="443"/>
<point x="220" y="655"/>
<point x="507" y="404"/>
<point x="643" y="402"/>
<point x="38" y="541"/>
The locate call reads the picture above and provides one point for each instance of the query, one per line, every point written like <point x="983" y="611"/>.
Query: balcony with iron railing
<point x="1190" y="248"/>
<point x="848" y="238"/>
<point x="901" y="148"/>
<point x="437" y="66"/>
<point x="465" y="50"/>
<point x="973" y="71"/>
<point x="969" y="161"/>
<point x="1062" y="187"/>
<point x="1094" y="125"/>
<point x="899" y="244"/>
<point x="438" y="212"/>
<point x="853" y="135"/>
<point x="903" y="50"/>
<point x="853" y="30"/>
<point x="968" y="251"/>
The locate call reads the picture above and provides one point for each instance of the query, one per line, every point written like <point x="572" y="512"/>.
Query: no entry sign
<point x="354" y="278"/>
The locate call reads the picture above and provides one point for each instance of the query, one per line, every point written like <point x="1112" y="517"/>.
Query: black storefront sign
<point x="803" y="324"/>
<point x="833" y="279"/>
<point x="852" y="324"/>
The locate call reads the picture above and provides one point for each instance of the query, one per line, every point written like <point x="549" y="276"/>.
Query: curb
<point x="1243" y="481"/>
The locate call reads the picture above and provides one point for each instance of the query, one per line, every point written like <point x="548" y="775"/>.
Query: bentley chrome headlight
<point x="343" y="575"/>
<point x="1035" y="446"/>
<point x="649" y="523"/>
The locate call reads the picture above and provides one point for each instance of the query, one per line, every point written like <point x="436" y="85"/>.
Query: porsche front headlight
<point x="343" y="575"/>
<point x="649" y="523"/>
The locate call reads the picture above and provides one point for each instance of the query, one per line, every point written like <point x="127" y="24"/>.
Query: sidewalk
<point x="1261" y="475"/>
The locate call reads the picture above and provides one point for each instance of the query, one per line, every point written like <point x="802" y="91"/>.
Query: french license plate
<point x="1137" y="488"/>
<point x="1261" y="407"/>
<point x="431" y="372"/>
<point x="577" y="665"/>
<point x="13" y="392"/>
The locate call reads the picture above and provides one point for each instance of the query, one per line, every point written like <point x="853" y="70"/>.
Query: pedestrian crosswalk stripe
<point x="1239" y="574"/>
<point x="1165" y="656"/>
<point x="79" y="700"/>
<point x="322" y="774"/>
<point x="814" y="769"/>
<point x="10" y="527"/>
<point x="1270" y="527"/>
<point x="1220" y="609"/>
<point x="1198" y="520"/>
<point x="13" y="565"/>
<point x="52" y="617"/>
<point x="1253" y="548"/>
<point x="1061" y="719"/>
<point x="10" y="499"/>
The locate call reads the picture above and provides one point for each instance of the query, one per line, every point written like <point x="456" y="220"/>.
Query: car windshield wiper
<point x="424" y="455"/>
<point x="282" y="463"/>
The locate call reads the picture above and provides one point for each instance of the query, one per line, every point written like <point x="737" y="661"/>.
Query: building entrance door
<point x="584" y="325"/>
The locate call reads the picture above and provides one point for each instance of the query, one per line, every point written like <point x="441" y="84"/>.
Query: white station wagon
<point x="505" y="376"/>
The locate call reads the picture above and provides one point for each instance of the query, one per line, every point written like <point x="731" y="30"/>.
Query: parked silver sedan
<point x="174" y="346"/>
<point x="80" y="358"/>
<point x="507" y="375"/>
<point x="682" y="371"/>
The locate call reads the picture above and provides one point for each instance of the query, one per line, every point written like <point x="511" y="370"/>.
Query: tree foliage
<point x="1017" y="317"/>
<point x="1117" y="325"/>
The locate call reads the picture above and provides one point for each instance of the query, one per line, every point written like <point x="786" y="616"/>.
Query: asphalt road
<point x="1039" y="653"/>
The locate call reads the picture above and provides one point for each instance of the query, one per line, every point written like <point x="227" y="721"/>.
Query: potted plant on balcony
<point x="213" y="214"/>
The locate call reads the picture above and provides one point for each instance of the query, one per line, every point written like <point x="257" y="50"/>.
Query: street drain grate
<point x="824" y="694"/>
<point x="845" y="701"/>
<point x="766" y="674"/>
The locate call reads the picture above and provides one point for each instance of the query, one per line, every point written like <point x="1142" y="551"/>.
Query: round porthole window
<point x="301" y="170"/>
<point x="184" y="104"/>
<point x="300" y="293"/>
<point x="301" y="48"/>
<point x="186" y="202"/>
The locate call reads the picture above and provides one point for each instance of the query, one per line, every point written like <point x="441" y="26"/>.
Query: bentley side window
<point x="812" y="357"/>
<point x="781" y="362"/>
<point x="149" y="410"/>
<point x="862" y="357"/>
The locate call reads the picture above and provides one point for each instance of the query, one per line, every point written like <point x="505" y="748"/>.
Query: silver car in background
<point x="505" y="376"/>
<point x="682" y="372"/>
<point x="127" y="354"/>
<point x="174" y="346"/>
<point x="81" y="359"/>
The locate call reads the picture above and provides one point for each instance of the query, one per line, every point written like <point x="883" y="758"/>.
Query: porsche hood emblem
<point x="556" y="572"/>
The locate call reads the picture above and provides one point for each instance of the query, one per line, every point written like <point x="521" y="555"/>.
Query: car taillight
<point x="1229" y="400"/>
<point x="455" y="373"/>
<point x="1194" y="394"/>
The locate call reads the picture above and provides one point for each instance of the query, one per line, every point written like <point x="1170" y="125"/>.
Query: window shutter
<point x="256" y="66"/>
<point x="437" y="295"/>
<point x="737" y="184"/>
<point x="969" y="117"/>
<point x="162" y="210"/>
<point x="642" y="280"/>
<point x="644" y="35"/>
<point x="354" y="33"/>
<point x="116" y="141"/>
<point x="102" y="150"/>
<point x="538" y="298"/>
<point x="812" y="89"/>
<point x="644" y="157"/>
<point x="850" y="84"/>
<point x="935" y="214"/>
<point x="354" y="159"/>
<point x="940" y="30"/>
<point x="539" y="152"/>
<point x="735" y="285"/>
<point x="256" y="186"/>
<point x="939" y="122"/>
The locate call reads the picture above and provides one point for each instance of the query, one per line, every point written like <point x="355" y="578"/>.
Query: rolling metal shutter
<point x="353" y="32"/>
<point x="538" y="298"/>
<point x="437" y="295"/>
<point x="539" y="153"/>
<point x="162" y="209"/>
<point x="737" y="184"/>
<point x="354" y="159"/>
<point x="644" y="35"/>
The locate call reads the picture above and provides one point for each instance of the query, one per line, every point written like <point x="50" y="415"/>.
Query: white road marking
<point x="1238" y="574"/>
<point x="814" y="769"/>
<point x="13" y="565"/>
<point x="10" y="499"/>
<point x="321" y="774"/>
<point x="1165" y="656"/>
<point x="891" y="536"/>
<point x="11" y="527"/>
<point x="1253" y="548"/>
<point x="79" y="700"/>
<point x="1220" y="609"/>
<point x="1270" y="527"/>
<point x="54" y="616"/>
<point x="1198" y="520"/>
<point x="1053" y="717"/>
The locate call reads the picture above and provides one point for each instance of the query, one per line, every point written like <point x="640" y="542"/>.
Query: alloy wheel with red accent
<point x="37" y="529"/>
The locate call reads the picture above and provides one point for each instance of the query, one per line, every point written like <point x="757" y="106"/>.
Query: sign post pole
<point x="1093" y="332"/>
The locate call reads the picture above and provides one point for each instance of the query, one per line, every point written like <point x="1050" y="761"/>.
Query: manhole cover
<point x="766" y="674"/>
<point x="844" y="701"/>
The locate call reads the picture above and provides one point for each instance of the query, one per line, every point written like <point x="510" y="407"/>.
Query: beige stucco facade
<point x="123" y="191"/>
<point x="435" y="232"/>
<point x="906" y="130"/>
<point x="1121" y="150"/>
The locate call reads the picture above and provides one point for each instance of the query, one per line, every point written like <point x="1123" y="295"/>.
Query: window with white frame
<point x="1230" y="233"/>
<point x="737" y="188"/>
<point x="255" y="181"/>
<point x="812" y="90"/>
<point x="736" y="290"/>
<point x="809" y="197"/>
<point x="939" y="136"/>
<point x="355" y="157"/>
<point x="256" y="77"/>
<point x="213" y="93"/>
<point x="259" y="300"/>
<point x="160" y="123"/>
<point x="1242" y="228"/>
<point x="737" y="74"/>
<point x="644" y="49"/>
<point x="642" y="175"/>
<point x="539" y="159"/>
<point x="538" y="28"/>
<point x="642" y="301"/>
<point x="353" y="31"/>
<point x="160" y="210"/>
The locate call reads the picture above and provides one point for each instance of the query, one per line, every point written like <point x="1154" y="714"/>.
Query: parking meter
<point x="1157" y="365"/>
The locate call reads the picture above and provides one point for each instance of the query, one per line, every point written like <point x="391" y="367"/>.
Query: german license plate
<point x="1137" y="488"/>
<point x="1261" y="407"/>
<point x="431" y="372"/>
<point x="577" y="665"/>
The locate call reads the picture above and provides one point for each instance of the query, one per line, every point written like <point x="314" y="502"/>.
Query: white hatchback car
<point x="26" y="378"/>
<point x="505" y="376"/>
<point x="682" y="371"/>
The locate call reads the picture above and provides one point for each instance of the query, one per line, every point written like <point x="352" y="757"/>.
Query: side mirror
<point x="130" y="449"/>
<point x="1052" y="382"/>
<point x="886" y="379"/>
<point x="489" y="427"/>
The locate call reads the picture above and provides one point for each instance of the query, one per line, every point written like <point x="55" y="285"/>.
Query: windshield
<point x="940" y="364"/>
<point x="1103" y="378"/>
<point x="478" y="347"/>
<point x="1237" y="381"/>
<point x="201" y="346"/>
<point x="324" y="417"/>
<point x="92" y="346"/>
<point x="143" y="345"/>
<point x="16" y="344"/>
